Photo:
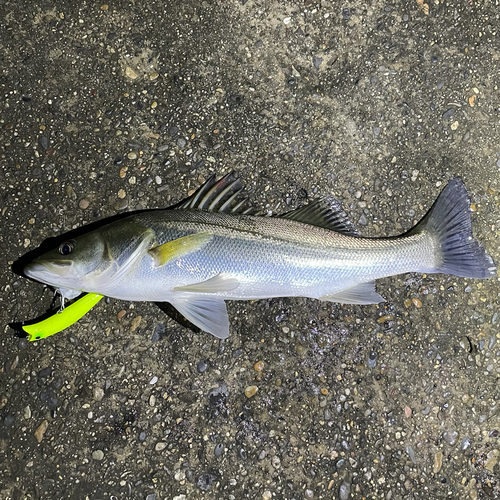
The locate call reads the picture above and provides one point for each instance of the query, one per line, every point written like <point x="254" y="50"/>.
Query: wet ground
<point x="130" y="105"/>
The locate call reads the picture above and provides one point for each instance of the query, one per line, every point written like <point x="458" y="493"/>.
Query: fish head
<point x="72" y="263"/>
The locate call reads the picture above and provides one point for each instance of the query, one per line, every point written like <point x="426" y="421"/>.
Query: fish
<point x="214" y="247"/>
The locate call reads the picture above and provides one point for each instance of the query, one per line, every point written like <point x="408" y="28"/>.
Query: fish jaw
<point x="58" y="275"/>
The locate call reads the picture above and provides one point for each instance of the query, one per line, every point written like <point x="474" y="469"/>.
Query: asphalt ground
<point x="131" y="105"/>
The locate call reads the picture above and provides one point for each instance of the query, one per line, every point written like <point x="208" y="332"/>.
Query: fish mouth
<point x="47" y="271"/>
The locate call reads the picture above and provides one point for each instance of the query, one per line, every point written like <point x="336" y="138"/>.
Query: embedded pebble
<point x="345" y="491"/>
<point x="491" y="459"/>
<point x="202" y="366"/>
<point x="135" y="323"/>
<point x="267" y="495"/>
<point x="372" y="359"/>
<point x="416" y="302"/>
<point x="179" y="475"/>
<point x="158" y="332"/>
<point x="438" y="462"/>
<point x="152" y="400"/>
<point x="40" y="431"/>
<point x="131" y="73"/>
<point x="121" y="194"/>
<point x="121" y="204"/>
<point x="84" y="204"/>
<point x="218" y="449"/>
<point x="132" y="155"/>
<point x="466" y="442"/>
<point x="386" y="317"/>
<point x="98" y="455"/>
<point x="450" y="437"/>
<point x="98" y="393"/>
<point x="411" y="453"/>
<point x="251" y="391"/>
<point x="160" y="446"/>
<point x="259" y="366"/>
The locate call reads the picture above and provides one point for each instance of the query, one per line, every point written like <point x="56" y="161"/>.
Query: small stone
<point x="259" y="366"/>
<point x="491" y="459"/>
<point x="372" y="359"/>
<point x="132" y="155"/>
<point x="153" y="380"/>
<point x="98" y="455"/>
<point x="151" y="496"/>
<point x="142" y="436"/>
<point x="454" y="125"/>
<point x="84" y="204"/>
<point x="98" y="393"/>
<point x="153" y="76"/>
<point x="121" y="204"/>
<point x="131" y="73"/>
<point x="317" y="62"/>
<point x="152" y="400"/>
<point x="345" y="491"/>
<point x="121" y="194"/>
<point x="438" y="462"/>
<point x="40" y="431"/>
<point x="466" y="442"/>
<point x="267" y="495"/>
<point x="158" y="332"/>
<point x="205" y="481"/>
<point x="218" y="449"/>
<point x="70" y="192"/>
<point x="202" y="366"/>
<point x="160" y="446"/>
<point x="251" y="390"/>
<point x="123" y="172"/>
<point x="120" y="315"/>
<point x="407" y="412"/>
<point x="27" y="413"/>
<point x="448" y="114"/>
<point x="179" y="475"/>
<point x="450" y="437"/>
<point x="386" y="317"/>
<point x="416" y="302"/>
<point x="135" y="323"/>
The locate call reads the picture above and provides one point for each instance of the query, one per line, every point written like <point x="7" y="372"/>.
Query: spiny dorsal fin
<point x="326" y="213"/>
<point x="223" y="195"/>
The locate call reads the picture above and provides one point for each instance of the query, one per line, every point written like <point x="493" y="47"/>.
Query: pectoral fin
<point x="206" y="313"/>
<point x="222" y="282"/>
<point x="178" y="248"/>
<point x="362" y="293"/>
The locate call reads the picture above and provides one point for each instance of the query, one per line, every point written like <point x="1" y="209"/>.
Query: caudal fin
<point x="449" y="219"/>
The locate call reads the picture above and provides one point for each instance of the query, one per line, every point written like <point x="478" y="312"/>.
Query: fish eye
<point x="66" y="248"/>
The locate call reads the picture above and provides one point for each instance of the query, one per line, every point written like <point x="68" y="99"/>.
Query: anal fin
<point x="207" y="313"/>
<point x="362" y="293"/>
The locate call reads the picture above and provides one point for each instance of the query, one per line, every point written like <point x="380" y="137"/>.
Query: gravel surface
<point x="130" y="105"/>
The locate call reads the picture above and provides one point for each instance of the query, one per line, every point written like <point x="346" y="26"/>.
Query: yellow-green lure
<point x="62" y="319"/>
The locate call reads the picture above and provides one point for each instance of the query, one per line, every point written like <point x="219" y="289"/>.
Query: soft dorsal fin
<point x="223" y="195"/>
<point x="326" y="213"/>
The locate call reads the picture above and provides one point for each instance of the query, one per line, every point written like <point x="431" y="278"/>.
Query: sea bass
<point x="210" y="248"/>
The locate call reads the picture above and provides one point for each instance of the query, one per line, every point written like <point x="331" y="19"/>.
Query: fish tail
<point x="449" y="222"/>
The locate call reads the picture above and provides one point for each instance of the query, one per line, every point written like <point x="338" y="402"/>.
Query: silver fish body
<point x="195" y="259"/>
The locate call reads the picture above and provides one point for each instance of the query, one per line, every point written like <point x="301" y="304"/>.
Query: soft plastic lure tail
<point x="62" y="319"/>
